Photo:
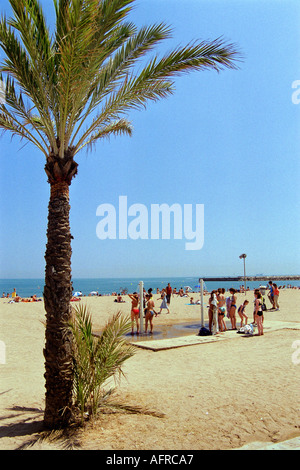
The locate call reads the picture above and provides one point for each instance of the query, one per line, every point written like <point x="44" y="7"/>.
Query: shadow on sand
<point x="26" y="422"/>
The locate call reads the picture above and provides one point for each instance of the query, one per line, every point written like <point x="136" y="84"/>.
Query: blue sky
<point x="229" y="141"/>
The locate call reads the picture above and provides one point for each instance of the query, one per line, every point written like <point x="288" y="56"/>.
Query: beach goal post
<point x="141" y="286"/>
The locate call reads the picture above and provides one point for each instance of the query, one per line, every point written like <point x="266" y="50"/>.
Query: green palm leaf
<point x="89" y="65"/>
<point x="97" y="359"/>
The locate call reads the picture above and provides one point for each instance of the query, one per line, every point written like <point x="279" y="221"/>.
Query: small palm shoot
<point x="97" y="359"/>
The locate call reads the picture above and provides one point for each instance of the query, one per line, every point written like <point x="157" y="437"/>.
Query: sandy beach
<point x="214" y="395"/>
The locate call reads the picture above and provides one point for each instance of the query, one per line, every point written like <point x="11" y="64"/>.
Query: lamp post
<point x="243" y="256"/>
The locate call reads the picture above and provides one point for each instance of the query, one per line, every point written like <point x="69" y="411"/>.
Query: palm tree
<point x="64" y="91"/>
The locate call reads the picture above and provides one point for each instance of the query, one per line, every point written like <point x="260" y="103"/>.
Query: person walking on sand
<point x="164" y="301"/>
<point x="258" y="313"/>
<point x="135" y="311"/>
<point x="150" y="312"/>
<point x="232" y="312"/>
<point x="169" y="293"/>
<point x="241" y="312"/>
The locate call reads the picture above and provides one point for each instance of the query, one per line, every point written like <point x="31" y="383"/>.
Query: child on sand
<point x="258" y="313"/>
<point x="241" y="312"/>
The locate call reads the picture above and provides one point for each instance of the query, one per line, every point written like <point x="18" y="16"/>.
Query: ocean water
<point x="105" y="286"/>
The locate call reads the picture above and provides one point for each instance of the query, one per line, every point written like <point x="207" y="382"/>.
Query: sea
<point x="106" y="286"/>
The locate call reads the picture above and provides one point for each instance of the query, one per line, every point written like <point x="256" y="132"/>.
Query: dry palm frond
<point x="65" y="439"/>
<point x="134" y="409"/>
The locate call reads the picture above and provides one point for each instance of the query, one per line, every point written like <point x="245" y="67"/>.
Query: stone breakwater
<point x="253" y="278"/>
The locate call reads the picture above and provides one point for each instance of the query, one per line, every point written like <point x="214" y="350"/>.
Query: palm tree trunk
<point x="57" y="295"/>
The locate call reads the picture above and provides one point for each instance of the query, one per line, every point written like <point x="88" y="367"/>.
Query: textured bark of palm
<point x="57" y="295"/>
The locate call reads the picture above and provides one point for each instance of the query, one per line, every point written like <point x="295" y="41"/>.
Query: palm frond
<point x="114" y="72"/>
<point x="9" y="122"/>
<point x="131" y="95"/>
<point x="16" y="103"/>
<point x="28" y="66"/>
<point x="87" y="34"/>
<point x="30" y="22"/>
<point x="118" y="67"/>
<point x="153" y="82"/>
<point x="115" y="128"/>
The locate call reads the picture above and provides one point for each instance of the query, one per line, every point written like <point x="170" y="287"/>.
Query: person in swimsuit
<point x="232" y="311"/>
<point x="222" y="309"/>
<point x="150" y="312"/>
<point x="135" y="311"/>
<point x="213" y="302"/>
<point x="258" y="313"/>
<point x="241" y="312"/>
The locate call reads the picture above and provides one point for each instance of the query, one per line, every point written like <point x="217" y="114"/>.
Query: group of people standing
<point x="148" y="306"/>
<point x="216" y="311"/>
<point x="219" y="305"/>
<point x="273" y="295"/>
